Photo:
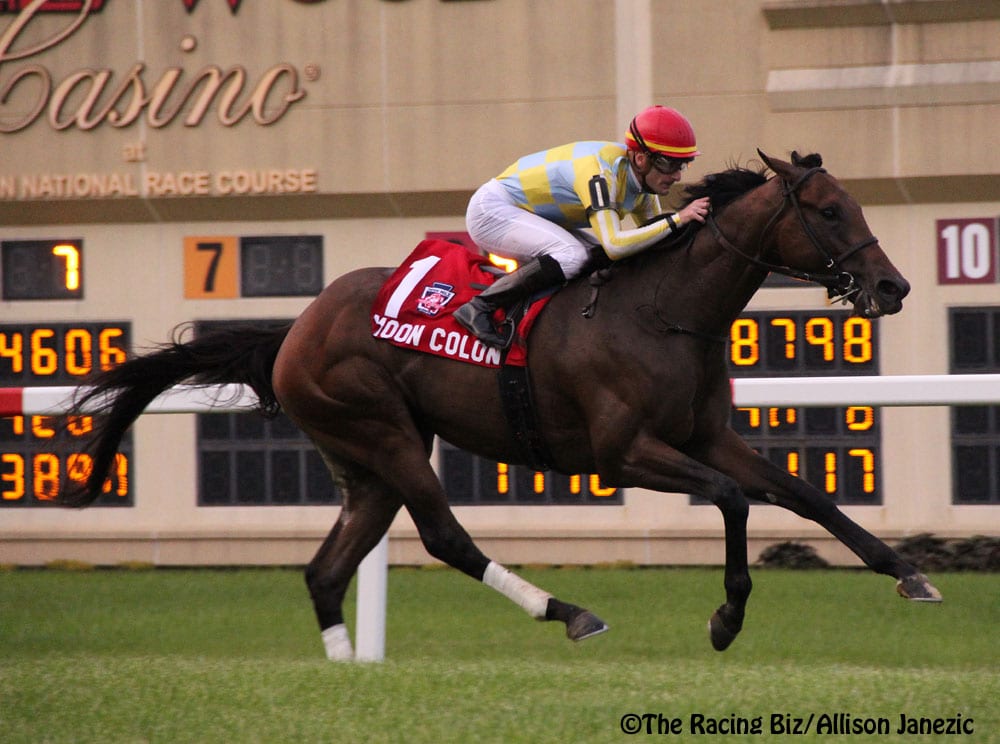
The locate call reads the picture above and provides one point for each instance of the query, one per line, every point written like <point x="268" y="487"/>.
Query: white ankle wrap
<point x="533" y="600"/>
<point x="337" y="643"/>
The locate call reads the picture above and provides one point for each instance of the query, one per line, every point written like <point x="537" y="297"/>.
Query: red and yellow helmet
<point x="662" y="131"/>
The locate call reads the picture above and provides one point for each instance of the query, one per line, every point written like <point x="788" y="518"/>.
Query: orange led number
<point x="15" y="477"/>
<point x="774" y="417"/>
<point x="858" y="340"/>
<point x="792" y="463"/>
<point x="71" y="255"/>
<point x="12" y="347"/>
<point x="753" y="416"/>
<point x="867" y="458"/>
<point x="111" y="355"/>
<point x="819" y="332"/>
<point x="45" y="469"/>
<point x="745" y="337"/>
<point x="830" y="466"/>
<point x="503" y="479"/>
<point x="788" y="325"/>
<point x="597" y="489"/>
<point x="859" y="418"/>
<point x="44" y="359"/>
<point x="79" y="352"/>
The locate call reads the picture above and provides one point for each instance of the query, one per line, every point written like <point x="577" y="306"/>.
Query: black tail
<point x="241" y="354"/>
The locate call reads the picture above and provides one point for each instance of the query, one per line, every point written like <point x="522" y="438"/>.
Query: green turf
<point x="234" y="656"/>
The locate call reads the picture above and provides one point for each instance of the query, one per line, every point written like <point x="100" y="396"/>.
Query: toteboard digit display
<point x="39" y="454"/>
<point x="835" y="449"/>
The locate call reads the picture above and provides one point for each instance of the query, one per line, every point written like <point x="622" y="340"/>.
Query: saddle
<point x="413" y="310"/>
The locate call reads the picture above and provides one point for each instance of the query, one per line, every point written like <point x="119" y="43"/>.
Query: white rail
<point x="51" y="401"/>
<point x="888" y="390"/>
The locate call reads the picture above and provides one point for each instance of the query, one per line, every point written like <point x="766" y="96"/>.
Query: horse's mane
<point x="722" y="188"/>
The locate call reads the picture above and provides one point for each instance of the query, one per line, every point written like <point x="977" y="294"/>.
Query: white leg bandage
<point x="533" y="600"/>
<point x="338" y="643"/>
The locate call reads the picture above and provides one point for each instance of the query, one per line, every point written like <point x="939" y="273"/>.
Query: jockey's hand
<point x="696" y="210"/>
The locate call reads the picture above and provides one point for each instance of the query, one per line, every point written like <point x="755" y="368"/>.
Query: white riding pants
<point x="499" y="226"/>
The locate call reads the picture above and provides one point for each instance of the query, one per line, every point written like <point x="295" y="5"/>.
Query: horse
<point x="635" y="390"/>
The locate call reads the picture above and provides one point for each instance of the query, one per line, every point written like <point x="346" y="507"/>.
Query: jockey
<point x="531" y="210"/>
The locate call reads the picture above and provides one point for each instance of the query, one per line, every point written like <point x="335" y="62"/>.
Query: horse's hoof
<point x="720" y="635"/>
<point x="917" y="588"/>
<point x="584" y="625"/>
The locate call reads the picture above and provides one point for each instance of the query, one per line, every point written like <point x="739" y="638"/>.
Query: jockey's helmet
<point x="659" y="130"/>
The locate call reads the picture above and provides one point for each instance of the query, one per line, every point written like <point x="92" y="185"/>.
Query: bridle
<point x="840" y="285"/>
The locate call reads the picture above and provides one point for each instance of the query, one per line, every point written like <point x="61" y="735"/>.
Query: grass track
<point x="234" y="656"/>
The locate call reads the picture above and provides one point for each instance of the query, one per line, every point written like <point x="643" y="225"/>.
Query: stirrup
<point x="496" y="338"/>
<point x="505" y="334"/>
<point x="479" y="323"/>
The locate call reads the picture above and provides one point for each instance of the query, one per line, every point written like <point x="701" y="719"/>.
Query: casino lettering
<point x="87" y="98"/>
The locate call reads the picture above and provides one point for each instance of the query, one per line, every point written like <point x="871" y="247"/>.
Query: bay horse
<point x="638" y="393"/>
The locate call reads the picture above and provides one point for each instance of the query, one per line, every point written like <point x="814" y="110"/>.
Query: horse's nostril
<point x="892" y="290"/>
<point x="888" y="289"/>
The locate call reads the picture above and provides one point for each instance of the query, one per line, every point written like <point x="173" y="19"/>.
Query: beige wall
<point x="407" y="103"/>
<point x="408" y="106"/>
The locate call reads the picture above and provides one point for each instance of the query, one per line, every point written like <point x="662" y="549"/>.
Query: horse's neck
<point x="702" y="286"/>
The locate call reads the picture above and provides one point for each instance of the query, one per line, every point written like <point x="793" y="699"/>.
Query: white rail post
<point x="372" y="588"/>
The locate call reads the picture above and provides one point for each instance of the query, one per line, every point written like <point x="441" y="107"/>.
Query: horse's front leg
<point x="763" y="480"/>
<point x="651" y="463"/>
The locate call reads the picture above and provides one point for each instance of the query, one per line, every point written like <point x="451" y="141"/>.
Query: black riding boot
<point x="476" y="316"/>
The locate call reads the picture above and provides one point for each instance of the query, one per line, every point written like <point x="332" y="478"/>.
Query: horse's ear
<point x="778" y="166"/>
<point x="813" y="160"/>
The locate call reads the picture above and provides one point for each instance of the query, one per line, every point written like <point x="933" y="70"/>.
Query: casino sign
<point x="88" y="98"/>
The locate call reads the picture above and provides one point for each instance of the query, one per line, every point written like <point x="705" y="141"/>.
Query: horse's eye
<point x="829" y="212"/>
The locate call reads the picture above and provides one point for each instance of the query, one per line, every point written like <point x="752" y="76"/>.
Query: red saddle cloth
<point x="413" y="310"/>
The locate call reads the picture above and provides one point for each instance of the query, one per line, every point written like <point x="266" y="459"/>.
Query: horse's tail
<point x="242" y="354"/>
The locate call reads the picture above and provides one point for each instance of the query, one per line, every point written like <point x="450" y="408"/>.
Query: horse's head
<point x="820" y="230"/>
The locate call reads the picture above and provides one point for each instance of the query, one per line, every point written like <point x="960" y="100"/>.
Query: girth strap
<point x="519" y="410"/>
<point x="596" y="280"/>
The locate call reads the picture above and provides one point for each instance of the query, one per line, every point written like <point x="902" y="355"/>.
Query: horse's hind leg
<point x="445" y="539"/>
<point x="408" y="470"/>
<point x="368" y="510"/>
<point x="370" y="504"/>
<point x="367" y="433"/>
